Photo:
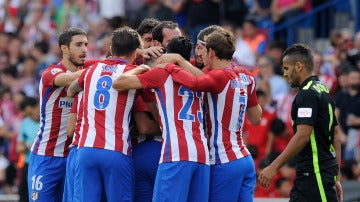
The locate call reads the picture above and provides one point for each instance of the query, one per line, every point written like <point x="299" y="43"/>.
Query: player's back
<point x="226" y="115"/>
<point x="181" y="118"/>
<point x="106" y="112"/>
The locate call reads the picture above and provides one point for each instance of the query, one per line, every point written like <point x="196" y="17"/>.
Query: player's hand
<point x="162" y="65"/>
<point x="266" y="176"/>
<point x="339" y="192"/>
<point x="155" y="52"/>
<point x="138" y="70"/>
<point x="168" y="58"/>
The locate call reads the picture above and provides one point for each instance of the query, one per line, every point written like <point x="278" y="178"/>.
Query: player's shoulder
<point x="241" y="70"/>
<point x="54" y="69"/>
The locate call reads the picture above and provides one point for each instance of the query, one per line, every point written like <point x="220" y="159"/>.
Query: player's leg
<point x="45" y="178"/>
<point x="173" y="181"/>
<point x="249" y="178"/>
<point x="226" y="181"/>
<point x="199" y="186"/>
<point x="146" y="157"/>
<point x="88" y="185"/>
<point x="118" y="176"/>
<point x="69" y="178"/>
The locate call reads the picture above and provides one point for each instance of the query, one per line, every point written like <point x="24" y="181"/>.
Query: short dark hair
<point x="65" y="37"/>
<point x="147" y="25"/>
<point x="302" y="53"/>
<point x="180" y="45"/>
<point x="223" y="44"/>
<point x="28" y="101"/>
<point x="208" y="30"/>
<point x="42" y="46"/>
<point x="157" y="32"/>
<point x="124" y="41"/>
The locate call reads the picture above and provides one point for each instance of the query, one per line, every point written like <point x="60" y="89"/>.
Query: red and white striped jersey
<point x="106" y="112"/>
<point x="77" y="108"/>
<point x="55" y="106"/>
<point x="230" y="92"/>
<point x="181" y="118"/>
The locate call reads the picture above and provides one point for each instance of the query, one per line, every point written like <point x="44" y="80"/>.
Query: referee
<point x="315" y="144"/>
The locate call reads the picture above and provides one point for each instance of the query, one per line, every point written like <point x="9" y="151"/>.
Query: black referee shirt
<point x="314" y="106"/>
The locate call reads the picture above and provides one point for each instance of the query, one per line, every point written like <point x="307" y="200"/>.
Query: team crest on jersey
<point x="55" y="70"/>
<point x="244" y="78"/>
<point x="34" y="195"/>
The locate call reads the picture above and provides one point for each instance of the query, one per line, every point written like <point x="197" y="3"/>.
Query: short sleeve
<point x="307" y="105"/>
<point x="50" y="74"/>
<point x="154" y="78"/>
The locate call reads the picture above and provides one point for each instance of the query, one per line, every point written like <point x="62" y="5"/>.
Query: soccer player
<point x="149" y="49"/>
<point x="146" y="133"/>
<point x="200" y="52"/>
<point x="145" y="30"/>
<point x="183" y="172"/>
<point x="164" y="32"/>
<point x="316" y="143"/>
<point x="51" y="146"/>
<point x="72" y="130"/>
<point x="103" y="156"/>
<point x="231" y="93"/>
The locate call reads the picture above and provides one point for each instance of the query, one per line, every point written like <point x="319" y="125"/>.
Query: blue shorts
<point x="233" y="181"/>
<point x="46" y="178"/>
<point x="70" y="173"/>
<point x="146" y="156"/>
<point x="182" y="181"/>
<point x="98" y="170"/>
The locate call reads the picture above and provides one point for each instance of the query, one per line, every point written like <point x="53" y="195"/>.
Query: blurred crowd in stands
<point x="28" y="44"/>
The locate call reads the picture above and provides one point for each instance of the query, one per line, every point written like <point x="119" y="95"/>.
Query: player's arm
<point x="254" y="114"/>
<point x="145" y="124"/>
<point x="65" y="79"/>
<point x="129" y="80"/>
<point x="296" y="144"/>
<point x="337" y="147"/>
<point x="154" y="78"/>
<point x="180" y="61"/>
<point x="126" y="82"/>
<point x="253" y="111"/>
<point x="71" y="124"/>
<point x="209" y="82"/>
<point x="147" y="53"/>
<point x="74" y="88"/>
<point x="153" y="110"/>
